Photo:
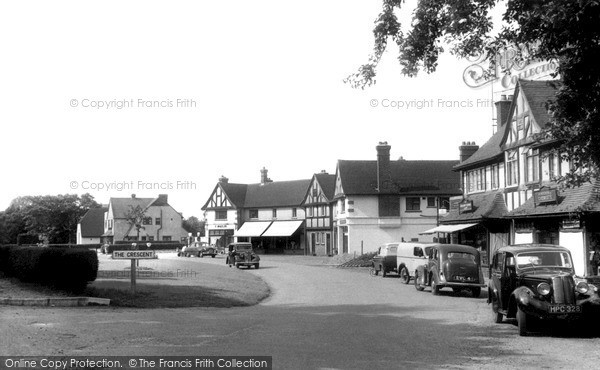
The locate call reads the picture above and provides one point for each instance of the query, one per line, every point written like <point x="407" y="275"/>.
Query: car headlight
<point x="543" y="288"/>
<point x="582" y="287"/>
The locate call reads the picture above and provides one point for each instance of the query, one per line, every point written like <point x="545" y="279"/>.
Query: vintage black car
<point x="385" y="260"/>
<point x="530" y="281"/>
<point x="198" y="249"/>
<point x="451" y="265"/>
<point x="242" y="254"/>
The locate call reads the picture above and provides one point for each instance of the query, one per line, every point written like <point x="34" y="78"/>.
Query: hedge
<point x="125" y="246"/>
<point x="63" y="268"/>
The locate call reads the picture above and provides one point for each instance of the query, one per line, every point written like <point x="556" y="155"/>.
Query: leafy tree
<point x="193" y="225"/>
<point x="135" y="218"/>
<point x="565" y="31"/>
<point x="52" y="217"/>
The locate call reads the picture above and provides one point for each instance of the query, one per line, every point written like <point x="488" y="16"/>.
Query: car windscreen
<point x="543" y="259"/>
<point x="461" y="255"/>
<point x="243" y="247"/>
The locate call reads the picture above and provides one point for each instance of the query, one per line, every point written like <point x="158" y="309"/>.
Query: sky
<point x="115" y="98"/>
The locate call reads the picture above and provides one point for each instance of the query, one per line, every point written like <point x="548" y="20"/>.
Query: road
<point x="317" y="317"/>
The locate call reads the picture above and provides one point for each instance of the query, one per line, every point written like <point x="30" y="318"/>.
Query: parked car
<point x="198" y="249"/>
<point x="451" y="265"/>
<point x="242" y="254"/>
<point x="385" y="260"/>
<point x="537" y="281"/>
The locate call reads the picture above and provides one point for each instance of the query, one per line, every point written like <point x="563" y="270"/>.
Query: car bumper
<point x="461" y="285"/>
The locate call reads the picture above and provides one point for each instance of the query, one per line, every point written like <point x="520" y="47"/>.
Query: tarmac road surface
<point x="317" y="317"/>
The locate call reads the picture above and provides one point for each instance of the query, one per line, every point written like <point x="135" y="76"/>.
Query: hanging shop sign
<point x="544" y="196"/>
<point x="465" y="206"/>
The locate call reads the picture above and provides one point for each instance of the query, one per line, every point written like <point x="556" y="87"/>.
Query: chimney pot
<point x="467" y="150"/>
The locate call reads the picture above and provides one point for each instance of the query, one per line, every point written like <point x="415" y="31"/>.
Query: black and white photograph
<point x="384" y="184"/>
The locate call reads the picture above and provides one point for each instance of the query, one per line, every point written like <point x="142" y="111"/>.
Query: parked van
<point x="409" y="256"/>
<point x="401" y="258"/>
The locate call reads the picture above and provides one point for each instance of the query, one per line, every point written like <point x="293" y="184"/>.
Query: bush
<point x="64" y="268"/>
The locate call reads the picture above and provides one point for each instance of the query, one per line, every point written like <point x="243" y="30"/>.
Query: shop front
<point x="285" y="237"/>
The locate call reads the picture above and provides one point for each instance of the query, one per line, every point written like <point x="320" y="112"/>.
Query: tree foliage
<point x="53" y="218"/>
<point x="566" y="31"/>
<point x="193" y="225"/>
<point x="135" y="218"/>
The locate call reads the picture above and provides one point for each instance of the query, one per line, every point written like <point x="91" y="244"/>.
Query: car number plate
<point x="564" y="308"/>
<point x="462" y="278"/>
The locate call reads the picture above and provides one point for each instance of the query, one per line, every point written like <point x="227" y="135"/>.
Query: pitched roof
<point x="488" y="151"/>
<point x="270" y="194"/>
<point x="583" y="198"/>
<point x="485" y="206"/>
<point x="537" y="94"/>
<point x="235" y="192"/>
<point x="327" y="183"/>
<point x="276" y="194"/>
<point x="120" y="206"/>
<point x="92" y="223"/>
<point x="408" y="177"/>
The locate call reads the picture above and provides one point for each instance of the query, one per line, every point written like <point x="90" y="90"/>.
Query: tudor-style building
<point x="511" y="194"/>
<point x="383" y="201"/>
<point x="269" y="214"/>
<point x="318" y="207"/>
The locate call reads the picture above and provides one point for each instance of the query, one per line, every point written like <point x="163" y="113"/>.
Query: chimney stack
<point x="263" y="176"/>
<point x="384" y="172"/>
<point x="467" y="149"/>
<point x="502" y="108"/>
<point x="223" y="179"/>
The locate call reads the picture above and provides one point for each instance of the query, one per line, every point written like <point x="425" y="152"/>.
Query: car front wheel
<point x="417" y="285"/>
<point x="404" y="275"/>
<point x="435" y="289"/>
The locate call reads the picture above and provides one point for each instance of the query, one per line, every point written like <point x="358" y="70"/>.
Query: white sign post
<point x="133" y="256"/>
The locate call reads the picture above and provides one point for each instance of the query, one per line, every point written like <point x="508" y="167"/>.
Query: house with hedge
<point x="91" y="226"/>
<point x="160" y="221"/>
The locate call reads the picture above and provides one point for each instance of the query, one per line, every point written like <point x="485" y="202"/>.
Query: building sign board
<point x="465" y="207"/>
<point x="571" y="224"/>
<point x="543" y="196"/>
<point x="133" y="254"/>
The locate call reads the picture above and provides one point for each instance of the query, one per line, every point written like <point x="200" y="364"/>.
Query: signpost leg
<point x="133" y="275"/>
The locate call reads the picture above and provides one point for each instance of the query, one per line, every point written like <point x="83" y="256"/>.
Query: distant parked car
<point x="385" y="260"/>
<point x="198" y="249"/>
<point x="399" y="257"/>
<point x="537" y="281"/>
<point x="451" y="265"/>
<point x="242" y="254"/>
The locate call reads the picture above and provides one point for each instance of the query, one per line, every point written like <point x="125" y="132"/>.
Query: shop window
<point x="431" y="202"/>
